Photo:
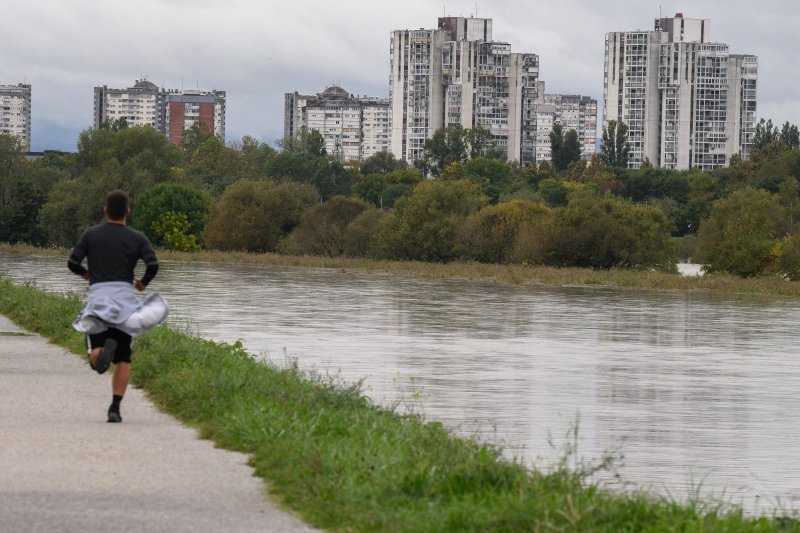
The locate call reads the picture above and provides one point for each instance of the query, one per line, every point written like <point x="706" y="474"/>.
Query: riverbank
<point x="345" y="464"/>
<point x="723" y="284"/>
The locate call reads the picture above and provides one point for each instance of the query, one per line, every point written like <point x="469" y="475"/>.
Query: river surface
<point x="699" y="392"/>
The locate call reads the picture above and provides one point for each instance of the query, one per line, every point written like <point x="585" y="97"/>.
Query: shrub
<point x="358" y="239"/>
<point x="600" y="232"/>
<point x="254" y="215"/>
<point x="424" y="226"/>
<point x="323" y="227"/>
<point x="790" y="257"/>
<point x="489" y="235"/>
<point x="740" y="235"/>
<point x="164" y="198"/>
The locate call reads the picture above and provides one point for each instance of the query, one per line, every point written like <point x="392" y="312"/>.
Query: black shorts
<point x="123" y="351"/>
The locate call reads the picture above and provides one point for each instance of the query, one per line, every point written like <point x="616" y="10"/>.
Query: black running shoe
<point x="106" y="356"/>
<point x="114" y="416"/>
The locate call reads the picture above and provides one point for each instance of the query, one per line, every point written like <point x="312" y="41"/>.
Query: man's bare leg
<point x="94" y="355"/>
<point x="119" y="382"/>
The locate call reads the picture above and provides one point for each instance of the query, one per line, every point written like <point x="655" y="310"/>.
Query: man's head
<point x="117" y="205"/>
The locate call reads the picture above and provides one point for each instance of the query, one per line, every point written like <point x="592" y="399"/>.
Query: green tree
<point x="615" y="146"/>
<point x="20" y="216"/>
<point x="425" y="225"/>
<point x="765" y="134"/>
<point x="789" y="262"/>
<point x="480" y="143"/>
<point x="790" y="135"/>
<point x="151" y="205"/>
<point x="299" y="159"/>
<point x="557" y="147"/>
<point x="133" y="158"/>
<point x="446" y="145"/>
<point x="741" y="233"/>
<point x="564" y="147"/>
<point x="11" y="158"/>
<point x="254" y="215"/>
<point x="193" y="137"/>
<point x="370" y="188"/>
<point x="72" y="206"/>
<point x="381" y="163"/>
<point x="788" y="192"/>
<point x="217" y="166"/>
<point x="553" y="192"/>
<point x="256" y="154"/>
<point x="456" y="144"/>
<point x="332" y="178"/>
<point x="323" y="228"/>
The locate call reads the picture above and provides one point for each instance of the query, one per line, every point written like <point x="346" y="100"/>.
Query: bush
<point x="322" y="229"/>
<point x="741" y="233"/>
<point x="601" y="232"/>
<point x="425" y="225"/>
<point x="164" y="198"/>
<point x="254" y="215"/>
<point x="173" y="230"/>
<point x="790" y="257"/>
<point x="358" y="239"/>
<point x="489" y="235"/>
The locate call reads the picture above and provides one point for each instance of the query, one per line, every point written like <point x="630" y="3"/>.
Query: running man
<point x="113" y="313"/>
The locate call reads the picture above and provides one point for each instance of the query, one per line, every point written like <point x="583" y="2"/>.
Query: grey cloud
<point x="259" y="50"/>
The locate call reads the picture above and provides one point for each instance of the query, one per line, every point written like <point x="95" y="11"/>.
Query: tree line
<point x="463" y="201"/>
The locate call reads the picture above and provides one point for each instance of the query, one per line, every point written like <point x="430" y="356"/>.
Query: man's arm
<point x="148" y="255"/>
<point x="76" y="258"/>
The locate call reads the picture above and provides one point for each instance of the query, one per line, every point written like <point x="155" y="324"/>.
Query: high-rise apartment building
<point x="353" y="127"/>
<point x="688" y="102"/>
<point x="573" y="112"/>
<point x="170" y="112"/>
<point x="15" y="112"/>
<point x="457" y="75"/>
<point x="183" y="109"/>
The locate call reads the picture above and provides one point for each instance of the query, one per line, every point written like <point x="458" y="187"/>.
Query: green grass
<point x="342" y="463"/>
<point x="631" y="279"/>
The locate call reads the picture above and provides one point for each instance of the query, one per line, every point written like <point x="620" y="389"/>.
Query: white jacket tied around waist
<point x="114" y="304"/>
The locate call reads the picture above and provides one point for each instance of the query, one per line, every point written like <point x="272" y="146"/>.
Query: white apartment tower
<point x="688" y="102"/>
<point x="15" y="112"/>
<point x="457" y="75"/>
<point x="573" y="112"/>
<point x="353" y="127"/>
<point x="169" y="112"/>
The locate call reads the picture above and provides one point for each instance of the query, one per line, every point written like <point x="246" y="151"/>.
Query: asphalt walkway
<point x="64" y="468"/>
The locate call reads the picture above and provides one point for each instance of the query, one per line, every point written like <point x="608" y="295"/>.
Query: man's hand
<point x="86" y="276"/>
<point x="138" y="284"/>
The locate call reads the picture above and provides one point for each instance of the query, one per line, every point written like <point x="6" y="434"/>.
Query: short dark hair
<point x="117" y="203"/>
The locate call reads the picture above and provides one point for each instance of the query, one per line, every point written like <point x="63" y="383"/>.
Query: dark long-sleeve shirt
<point x="113" y="251"/>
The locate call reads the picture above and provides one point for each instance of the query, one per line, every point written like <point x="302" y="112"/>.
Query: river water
<point x="699" y="392"/>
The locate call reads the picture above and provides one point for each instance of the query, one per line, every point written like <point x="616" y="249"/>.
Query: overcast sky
<point x="257" y="50"/>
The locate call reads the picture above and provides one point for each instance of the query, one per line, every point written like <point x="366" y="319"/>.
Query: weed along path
<point x="63" y="468"/>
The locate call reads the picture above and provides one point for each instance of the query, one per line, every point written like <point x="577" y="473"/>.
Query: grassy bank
<point x="344" y="464"/>
<point x="480" y="271"/>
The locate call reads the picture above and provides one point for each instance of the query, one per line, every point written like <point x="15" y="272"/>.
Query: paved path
<point x="64" y="468"/>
